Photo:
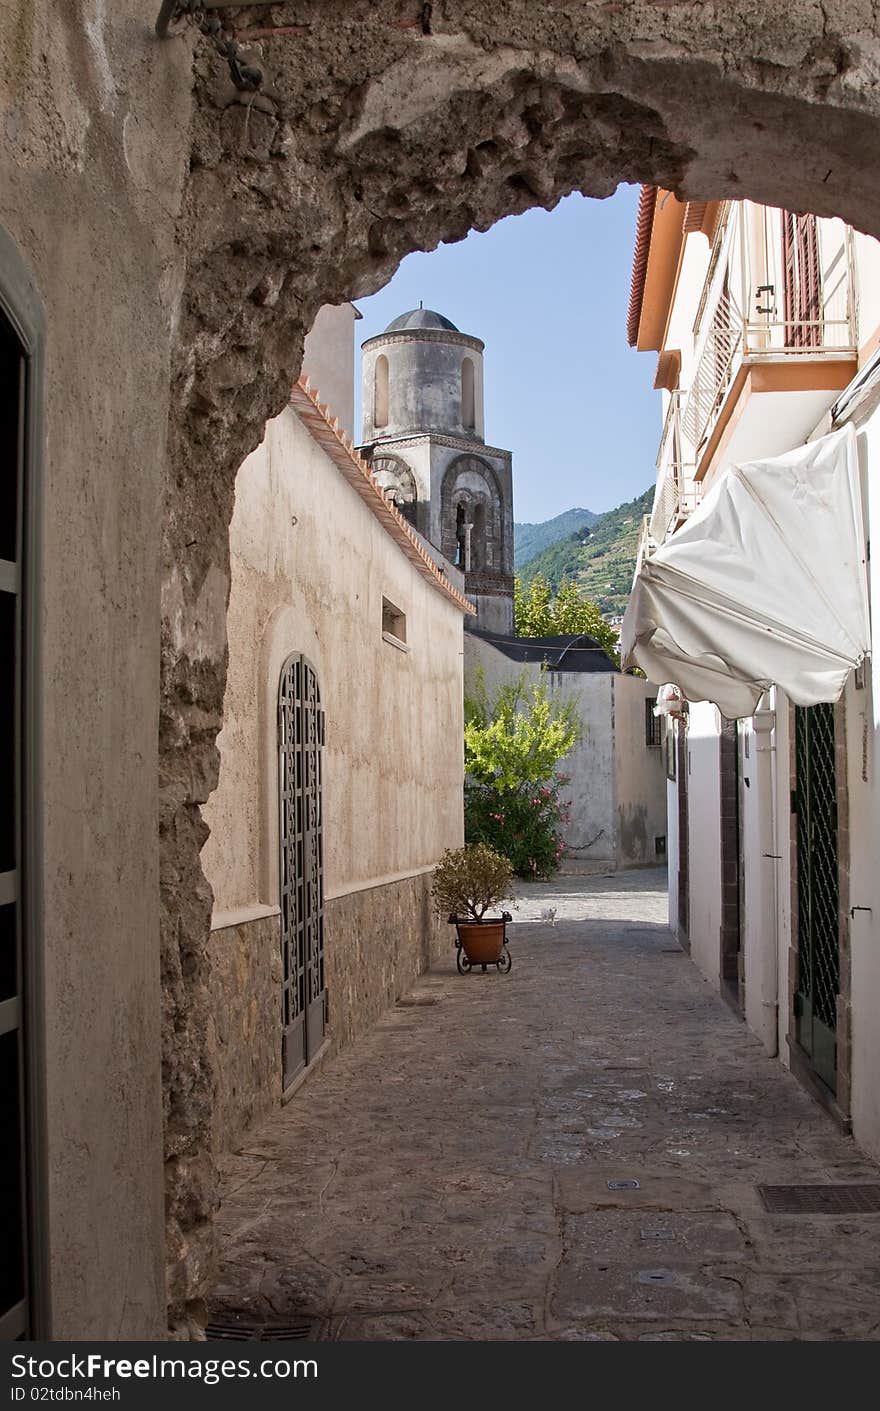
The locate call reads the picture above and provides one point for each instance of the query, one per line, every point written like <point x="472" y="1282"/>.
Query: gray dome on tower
<point x="421" y="318"/>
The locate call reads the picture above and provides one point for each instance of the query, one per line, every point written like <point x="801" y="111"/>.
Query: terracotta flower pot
<point x="482" y="943"/>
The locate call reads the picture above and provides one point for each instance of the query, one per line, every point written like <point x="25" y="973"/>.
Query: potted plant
<point x="467" y="882"/>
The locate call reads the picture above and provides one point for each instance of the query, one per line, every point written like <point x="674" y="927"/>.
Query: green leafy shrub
<point x="469" y="880"/>
<point x="525" y="826"/>
<point x="513" y="743"/>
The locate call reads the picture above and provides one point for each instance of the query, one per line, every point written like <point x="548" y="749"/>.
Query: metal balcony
<point x="741" y="320"/>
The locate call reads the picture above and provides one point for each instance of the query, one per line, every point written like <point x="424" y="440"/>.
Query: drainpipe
<point x="764" y="726"/>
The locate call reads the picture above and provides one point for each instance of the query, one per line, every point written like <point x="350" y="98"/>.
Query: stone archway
<point x="386" y="129"/>
<point x="471" y="482"/>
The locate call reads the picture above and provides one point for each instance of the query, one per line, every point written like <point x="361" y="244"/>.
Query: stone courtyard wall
<point x="246" y="1039"/>
<point x="377" y="941"/>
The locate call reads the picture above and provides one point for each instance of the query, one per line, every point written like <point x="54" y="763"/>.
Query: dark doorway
<point x="818" y="896"/>
<point x="731" y="849"/>
<point x="301" y="863"/>
<point x="683" y="771"/>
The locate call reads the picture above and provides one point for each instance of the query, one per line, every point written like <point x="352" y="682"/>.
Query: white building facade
<point x="767" y="325"/>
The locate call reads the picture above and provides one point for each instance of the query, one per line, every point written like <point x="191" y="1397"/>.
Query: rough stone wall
<point x="246" y="1023"/>
<point x="375" y="138"/>
<point x="377" y="941"/>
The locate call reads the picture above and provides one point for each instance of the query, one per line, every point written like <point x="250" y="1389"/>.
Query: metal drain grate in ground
<point x="258" y="1332"/>
<point x="821" y="1200"/>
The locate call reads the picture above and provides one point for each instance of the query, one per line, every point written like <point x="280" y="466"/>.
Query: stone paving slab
<point x="446" y="1177"/>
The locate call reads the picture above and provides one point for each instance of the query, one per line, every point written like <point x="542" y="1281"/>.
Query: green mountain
<point x="600" y="558"/>
<point x="531" y="539"/>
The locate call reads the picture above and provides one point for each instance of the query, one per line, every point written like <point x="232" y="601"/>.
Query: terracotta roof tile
<point x="644" y="223"/>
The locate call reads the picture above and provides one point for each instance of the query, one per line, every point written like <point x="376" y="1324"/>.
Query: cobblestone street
<point x="447" y="1176"/>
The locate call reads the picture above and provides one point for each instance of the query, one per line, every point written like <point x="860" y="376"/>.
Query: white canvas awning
<point x="766" y="583"/>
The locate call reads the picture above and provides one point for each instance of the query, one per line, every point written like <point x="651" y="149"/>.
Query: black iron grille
<point x="818" y="952"/>
<point x="821" y="1200"/>
<point x="258" y="1332"/>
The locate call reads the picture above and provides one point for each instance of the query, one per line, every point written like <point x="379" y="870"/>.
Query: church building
<point x="424" y="435"/>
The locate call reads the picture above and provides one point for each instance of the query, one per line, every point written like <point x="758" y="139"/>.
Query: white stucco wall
<point x="866" y="252"/>
<point x="784" y="783"/>
<point x="591" y="833"/>
<point x="704" y="834"/>
<point x="328" y="360"/>
<point x="672" y="852"/>
<point x="310" y="567"/>
<point x="764" y="873"/>
<point x="640" y="776"/>
<point x="863" y="761"/>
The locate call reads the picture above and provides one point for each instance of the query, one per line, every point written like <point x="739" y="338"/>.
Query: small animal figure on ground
<point x="548" y="913"/>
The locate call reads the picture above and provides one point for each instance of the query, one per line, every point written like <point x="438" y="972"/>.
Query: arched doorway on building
<point x="301" y="865"/>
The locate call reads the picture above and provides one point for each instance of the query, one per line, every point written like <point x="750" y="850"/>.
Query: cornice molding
<point x="477" y="448"/>
<point x="425" y="335"/>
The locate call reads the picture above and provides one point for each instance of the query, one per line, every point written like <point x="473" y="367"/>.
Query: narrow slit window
<point x="468" y="405"/>
<point x="393" y="624"/>
<point x="380" y="392"/>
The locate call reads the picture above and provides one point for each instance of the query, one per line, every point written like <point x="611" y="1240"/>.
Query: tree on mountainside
<point x="538" y="613"/>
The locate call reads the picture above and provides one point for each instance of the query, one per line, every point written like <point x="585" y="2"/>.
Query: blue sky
<point x="548" y="293"/>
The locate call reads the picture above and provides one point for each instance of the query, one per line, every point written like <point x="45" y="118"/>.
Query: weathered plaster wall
<point x="328" y="361"/>
<point x="639" y="776"/>
<point x="95" y="154"/>
<point x="704" y="837"/>
<point x="424" y="383"/>
<point x="863" y="779"/>
<point x="764" y="781"/>
<point x="672" y="845"/>
<point x="310" y="567"/>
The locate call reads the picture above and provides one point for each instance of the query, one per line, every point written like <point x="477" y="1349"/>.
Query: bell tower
<point x="423" y="430"/>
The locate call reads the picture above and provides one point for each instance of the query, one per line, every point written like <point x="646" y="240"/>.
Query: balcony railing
<point x="646" y="545"/>
<point x="677" y="495"/>
<point x="739" y="320"/>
